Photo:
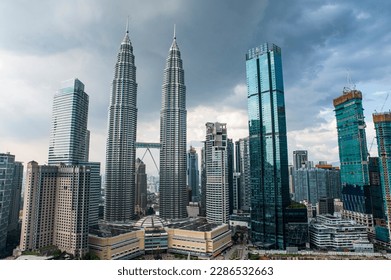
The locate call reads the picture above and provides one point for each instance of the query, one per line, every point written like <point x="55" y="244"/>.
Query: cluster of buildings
<point x="248" y="182"/>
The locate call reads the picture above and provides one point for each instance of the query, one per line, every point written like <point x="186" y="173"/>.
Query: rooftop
<point x="111" y="230"/>
<point x="197" y="224"/>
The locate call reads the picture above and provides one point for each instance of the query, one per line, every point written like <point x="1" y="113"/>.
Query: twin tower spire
<point x="121" y="138"/>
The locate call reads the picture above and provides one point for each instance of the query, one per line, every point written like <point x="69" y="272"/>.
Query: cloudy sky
<point x="322" y="42"/>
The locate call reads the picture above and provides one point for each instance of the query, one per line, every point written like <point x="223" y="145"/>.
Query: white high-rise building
<point x="69" y="124"/>
<point x="121" y="138"/>
<point x="173" y="192"/>
<point x="216" y="161"/>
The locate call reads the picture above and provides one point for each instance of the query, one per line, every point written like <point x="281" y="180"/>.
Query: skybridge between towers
<point x="148" y="147"/>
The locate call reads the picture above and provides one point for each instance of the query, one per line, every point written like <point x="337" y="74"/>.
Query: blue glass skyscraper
<point x="68" y="138"/>
<point x="382" y="123"/>
<point x="353" y="157"/>
<point x="268" y="145"/>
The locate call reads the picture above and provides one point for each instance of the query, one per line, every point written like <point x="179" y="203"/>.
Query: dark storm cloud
<point x="321" y="42"/>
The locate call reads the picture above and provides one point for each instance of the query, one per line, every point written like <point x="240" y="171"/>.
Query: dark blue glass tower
<point x="268" y="145"/>
<point x="382" y="123"/>
<point x="353" y="157"/>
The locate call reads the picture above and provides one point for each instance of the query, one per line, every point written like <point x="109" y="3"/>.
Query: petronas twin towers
<point x="121" y="139"/>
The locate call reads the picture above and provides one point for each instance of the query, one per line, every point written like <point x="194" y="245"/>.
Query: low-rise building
<point x="198" y="238"/>
<point x="328" y="232"/>
<point x="116" y="242"/>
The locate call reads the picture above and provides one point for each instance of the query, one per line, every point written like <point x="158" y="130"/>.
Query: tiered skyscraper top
<point x="122" y="128"/>
<point x="173" y="193"/>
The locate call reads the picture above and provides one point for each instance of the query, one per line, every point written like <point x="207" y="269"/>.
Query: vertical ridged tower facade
<point x="269" y="177"/>
<point x="121" y="139"/>
<point x="173" y="194"/>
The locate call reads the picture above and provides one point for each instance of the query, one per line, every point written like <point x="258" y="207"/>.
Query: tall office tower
<point x="193" y="174"/>
<point x="376" y="190"/>
<point x="316" y="182"/>
<point x="13" y="235"/>
<point x="173" y="192"/>
<point x="216" y="161"/>
<point x="203" y="183"/>
<point x="382" y="123"/>
<point x="72" y="209"/>
<point x="121" y="138"/>
<point x="69" y="124"/>
<point x="70" y="138"/>
<point x="11" y="174"/>
<point x="236" y="191"/>
<point x="231" y="169"/>
<point x="56" y="208"/>
<point x="268" y="145"/>
<point x="353" y="155"/>
<point x="243" y="167"/>
<point x="39" y="206"/>
<point x="300" y="159"/>
<point x="141" y="187"/>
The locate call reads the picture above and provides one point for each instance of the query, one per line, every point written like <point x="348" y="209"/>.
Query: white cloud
<point x="321" y="142"/>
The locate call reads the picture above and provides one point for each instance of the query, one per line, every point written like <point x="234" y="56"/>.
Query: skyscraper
<point x="243" y="167"/>
<point x="141" y="187"/>
<point x="69" y="124"/>
<point x="352" y="140"/>
<point x="268" y="145"/>
<point x="69" y="138"/>
<point x="216" y="161"/>
<point x="173" y="193"/>
<point x="383" y="136"/>
<point x="121" y="138"/>
<point x="56" y="208"/>
<point x="300" y="158"/>
<point x="353" y="155"/>
<point x="193" y="174"/>
<point x="10" y="188"/>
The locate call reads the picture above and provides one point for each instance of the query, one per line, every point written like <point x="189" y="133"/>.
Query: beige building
<point x="39" y="202"/>
<point x="56" y="205"/>
<point x="198" y="238"/>
<point x="116" y="242"/>
<point x="153" y="235"/>
<point x="71" y="210"/>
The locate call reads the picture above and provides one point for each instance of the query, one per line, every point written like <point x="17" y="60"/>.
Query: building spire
<point x="127" y="25"/>
<point x="174" y="31"/>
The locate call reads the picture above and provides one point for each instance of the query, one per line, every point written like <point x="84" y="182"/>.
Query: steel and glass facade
<point x="268" y="145"/>
<point x="193" y="174"/>
<point x="121" y="138"/>
<point x="352" y="141"/>
<point x="11" y="174"/>
<point x="353" y="156"/>
<point x="382" y="123"/>
<point x="173" y="165"/>
<point x="68" y="138"/>
<point x="242" y="159"/>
